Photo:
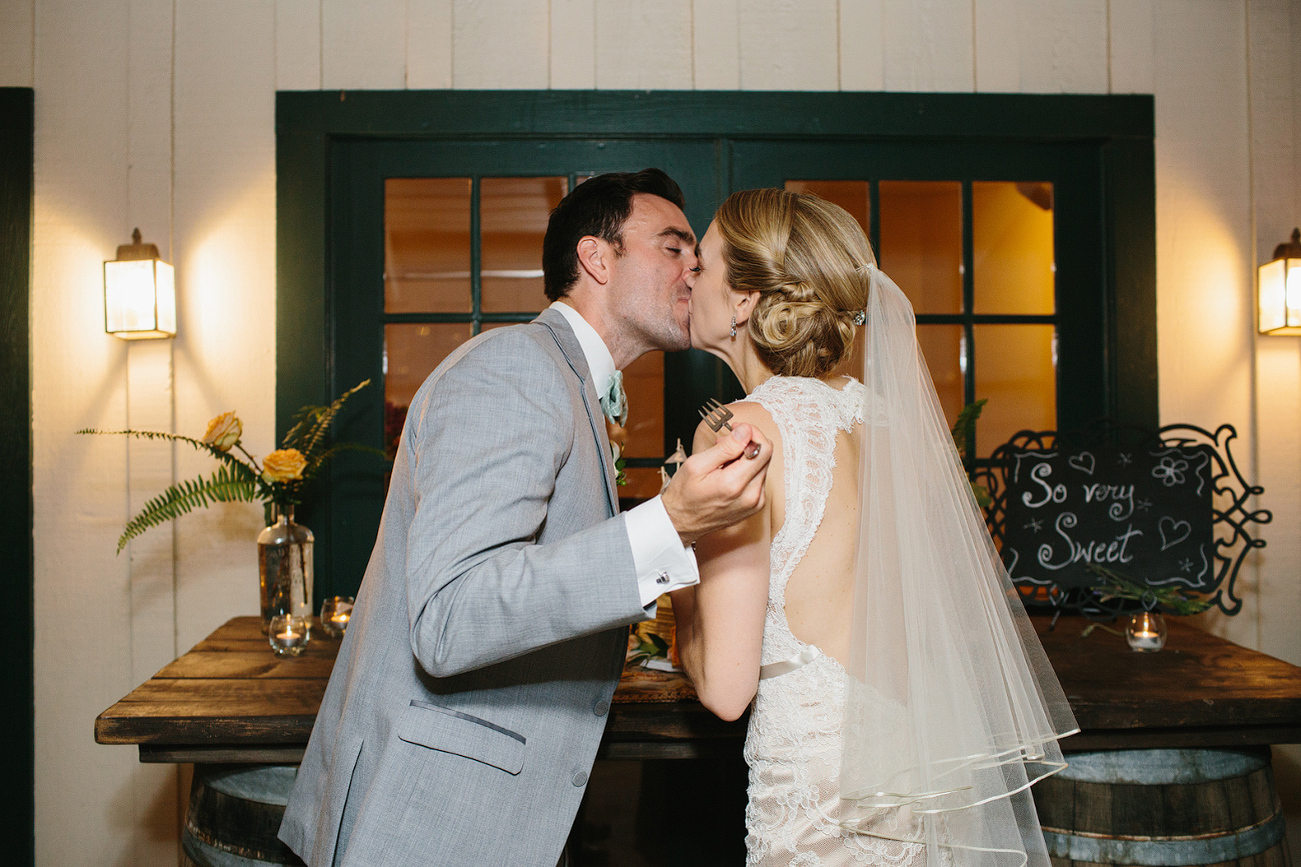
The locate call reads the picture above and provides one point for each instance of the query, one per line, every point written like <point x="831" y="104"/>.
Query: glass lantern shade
<point x="1280" y="290"/>
<point x="139" y="293"/>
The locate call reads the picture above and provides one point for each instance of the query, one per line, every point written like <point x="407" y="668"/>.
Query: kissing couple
<point x="827" y="563"/>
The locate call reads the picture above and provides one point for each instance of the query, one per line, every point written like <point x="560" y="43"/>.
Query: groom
<point x="471" y="690"/>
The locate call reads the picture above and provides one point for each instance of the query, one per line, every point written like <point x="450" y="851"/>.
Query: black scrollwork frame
<point x="1230" y="490"/>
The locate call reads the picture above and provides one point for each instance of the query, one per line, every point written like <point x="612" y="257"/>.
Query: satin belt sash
<point x="798" y="661"/>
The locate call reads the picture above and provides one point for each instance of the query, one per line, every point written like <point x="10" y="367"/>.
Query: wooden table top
<point x="230" y="699"/>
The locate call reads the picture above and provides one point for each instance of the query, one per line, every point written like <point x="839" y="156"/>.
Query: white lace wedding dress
<point x="793" y="745"/>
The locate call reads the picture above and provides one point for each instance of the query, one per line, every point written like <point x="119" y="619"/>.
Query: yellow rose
<point x="283" y="465"/>
<point x="223" y="432"/>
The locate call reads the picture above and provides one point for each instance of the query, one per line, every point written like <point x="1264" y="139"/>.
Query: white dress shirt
<point x="662" y="562"/>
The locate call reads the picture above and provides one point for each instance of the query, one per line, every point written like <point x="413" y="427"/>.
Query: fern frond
<point x="316" y="463"/>
<point x="200" y="445"/>
<point x="228" y="484"/>
<point x="314" y="421"/>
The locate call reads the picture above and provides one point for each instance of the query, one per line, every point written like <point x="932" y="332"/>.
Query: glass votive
<point x="335" y="614"/>
<point x="1146" y="632"/>
<point x="288" y="634"/>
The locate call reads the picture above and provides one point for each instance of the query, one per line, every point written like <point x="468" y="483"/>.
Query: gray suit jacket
<point x="471" y="689"/>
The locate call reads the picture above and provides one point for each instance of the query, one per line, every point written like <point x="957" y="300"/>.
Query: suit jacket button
<point x="580" y="778"/>
<point x="602" y="707"/>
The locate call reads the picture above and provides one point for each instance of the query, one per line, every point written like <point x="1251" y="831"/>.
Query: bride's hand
<point x="717" y="487"/>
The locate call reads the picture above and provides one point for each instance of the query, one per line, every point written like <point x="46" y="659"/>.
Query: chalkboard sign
<point x="1146" y="513"/>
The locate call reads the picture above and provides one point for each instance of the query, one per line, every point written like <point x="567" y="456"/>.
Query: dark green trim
<point x="734" y="114"/>
<point x="17" y="561"/>
<point x="321" y="138"/>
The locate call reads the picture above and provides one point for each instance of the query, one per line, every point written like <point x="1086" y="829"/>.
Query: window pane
<point x="942" y="349"/>
<point x="643" y="380"/>
<point x="853" y="196"/>
<point x="411" y="352"/>
<point x="1012" y="247"/>
<point x="921" y="242"/>
<point x="427" y="245"/>
<point x="1016" y="368"/>
<point x="512" y="219"/>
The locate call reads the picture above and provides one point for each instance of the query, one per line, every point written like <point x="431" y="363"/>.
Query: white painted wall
<point x="160" y="114"/>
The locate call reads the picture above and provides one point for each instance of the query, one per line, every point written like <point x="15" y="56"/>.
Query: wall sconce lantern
<point x="139" y="293"/>
<point x="1280" y="289"/>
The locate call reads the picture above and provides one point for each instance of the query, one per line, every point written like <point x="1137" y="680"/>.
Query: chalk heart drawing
<point x="1084" y="462"/>
<point x="1173" y="532"/>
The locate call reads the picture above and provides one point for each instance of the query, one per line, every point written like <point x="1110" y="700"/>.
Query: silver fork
<point x="717" y="416"/>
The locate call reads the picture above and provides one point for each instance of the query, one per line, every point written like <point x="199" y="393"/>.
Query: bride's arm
<point x="720" y="621"/>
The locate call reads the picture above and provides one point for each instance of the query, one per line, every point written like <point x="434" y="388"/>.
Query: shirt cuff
<point x="662" y="562"/>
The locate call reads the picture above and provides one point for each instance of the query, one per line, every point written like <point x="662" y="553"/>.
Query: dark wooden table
<point x="230" y="700"/>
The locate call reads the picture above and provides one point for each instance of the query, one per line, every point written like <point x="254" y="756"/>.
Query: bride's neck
<point x="748" y="368"/>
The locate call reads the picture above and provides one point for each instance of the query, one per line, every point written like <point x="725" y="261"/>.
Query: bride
<point x="902" y="705"/>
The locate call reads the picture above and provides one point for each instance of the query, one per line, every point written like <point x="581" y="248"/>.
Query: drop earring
<point x="733" y="327"/>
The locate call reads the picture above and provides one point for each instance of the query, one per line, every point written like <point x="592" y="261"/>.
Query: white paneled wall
<point x="161" y="114"/>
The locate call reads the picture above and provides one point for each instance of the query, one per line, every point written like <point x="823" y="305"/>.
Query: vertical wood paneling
<point x="998" y="40"/>
<point x="151" y="406"/>
<point x="298" y="44"/>
<point x="364" y="44"/>
<point x="1205" y="259"/>
<point x="1132" y="34"/>
<point x="225" y="262"/>
<point x="429" y="44"/>
<point x="1041" y="46"/>
<point x="83" y="791"/>
<point x="716" y="44"/>
<point x="643" y="45"/>
<point x="573" y="44"/>
<point x="17" y="26"/>
<point x="492" y="50"/>
<point x="928" y="45"/>
<point x="1275" y="184"/>
<point x="787" y="45"/>
<point x="862" y="46"/>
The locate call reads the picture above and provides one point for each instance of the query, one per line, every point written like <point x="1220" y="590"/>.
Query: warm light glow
<point x="1278" y="289"/>
<point x="139" y="299"/>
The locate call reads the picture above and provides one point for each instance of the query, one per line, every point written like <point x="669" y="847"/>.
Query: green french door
<point x="1021" y="227"/>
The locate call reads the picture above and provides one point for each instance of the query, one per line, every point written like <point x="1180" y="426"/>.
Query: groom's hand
<point x="720" y="485"/>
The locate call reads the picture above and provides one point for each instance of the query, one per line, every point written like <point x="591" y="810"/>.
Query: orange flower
<point x="283" y="465"/>
<point x="223" y="432"/>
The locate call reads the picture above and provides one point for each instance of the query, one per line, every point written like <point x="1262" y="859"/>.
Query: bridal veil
<point x="952" y="709"/>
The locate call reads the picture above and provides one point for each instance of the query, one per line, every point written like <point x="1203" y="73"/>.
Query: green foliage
<point x="229" y="484"/>
<point x="241" y="479"/>
<point x="964" y="431"/>
<point x="1115" y="585"/>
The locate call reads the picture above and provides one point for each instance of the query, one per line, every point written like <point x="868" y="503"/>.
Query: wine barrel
<point x="234" y="814"/>
<point x="1164" y="808"/>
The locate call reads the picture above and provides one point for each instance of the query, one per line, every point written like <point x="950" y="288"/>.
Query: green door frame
<point x="17" y="559"/>
<point x="313" y="128"/>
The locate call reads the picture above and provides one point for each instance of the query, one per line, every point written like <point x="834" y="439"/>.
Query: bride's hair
<point x="811" y="265"/>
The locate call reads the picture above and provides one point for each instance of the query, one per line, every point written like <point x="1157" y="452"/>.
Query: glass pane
<point x="853" y="196"/>
<point x="1016" y="368"/>
<point x="1012" y="247"/>
<point x="921" y="242"/>
<point x="427" y="245"/>
<point x="411" y="352"/>
<point x="512" y="219"/>
<point x="643" y="483"/>
<point x="942" y="348"/>
<point x="643" y="380"/>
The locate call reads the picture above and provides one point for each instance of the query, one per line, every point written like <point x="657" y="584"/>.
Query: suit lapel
<point x="573" y="352"/>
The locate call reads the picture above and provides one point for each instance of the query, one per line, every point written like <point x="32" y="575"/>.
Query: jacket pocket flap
<point x="451" y="731"/>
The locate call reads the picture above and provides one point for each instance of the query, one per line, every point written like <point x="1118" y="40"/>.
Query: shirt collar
<point x="599" y="360"/>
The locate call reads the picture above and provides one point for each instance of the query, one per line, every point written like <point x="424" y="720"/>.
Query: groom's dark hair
<point x="599" y="207"/>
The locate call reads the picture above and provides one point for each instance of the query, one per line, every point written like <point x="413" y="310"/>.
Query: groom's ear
<point x="594" y="258"/>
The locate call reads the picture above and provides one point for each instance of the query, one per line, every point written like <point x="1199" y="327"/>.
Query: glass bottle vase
<point x="284" y="561"/>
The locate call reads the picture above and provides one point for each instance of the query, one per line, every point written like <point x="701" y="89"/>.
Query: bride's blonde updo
<point x="810" y="263"/>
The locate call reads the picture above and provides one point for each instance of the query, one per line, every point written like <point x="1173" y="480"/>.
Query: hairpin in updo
<point x="860" y="317"/>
